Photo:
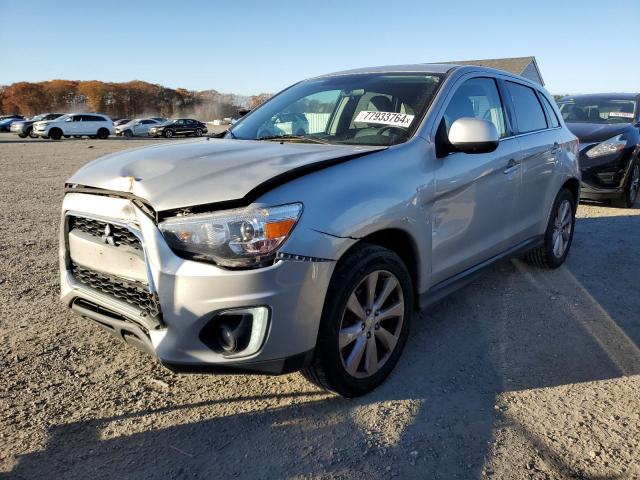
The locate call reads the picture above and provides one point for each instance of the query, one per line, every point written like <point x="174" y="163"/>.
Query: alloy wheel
<point x="562" y="227"/>
<point x="371" y="324"/>
<point x="635" y="184"/>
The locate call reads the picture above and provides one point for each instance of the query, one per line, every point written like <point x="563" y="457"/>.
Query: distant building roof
<point x="526" y="67"/>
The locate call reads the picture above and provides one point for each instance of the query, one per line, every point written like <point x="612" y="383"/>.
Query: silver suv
<point x="312" y="251"/>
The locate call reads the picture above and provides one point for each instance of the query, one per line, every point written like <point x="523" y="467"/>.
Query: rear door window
<point x="528" y="111"/>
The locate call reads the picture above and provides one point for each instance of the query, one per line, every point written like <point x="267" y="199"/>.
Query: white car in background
<point x="137" y="127"/>
<point x="92" y="125"/>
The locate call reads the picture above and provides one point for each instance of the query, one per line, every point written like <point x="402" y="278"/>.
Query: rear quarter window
<point x="528" y="111"/>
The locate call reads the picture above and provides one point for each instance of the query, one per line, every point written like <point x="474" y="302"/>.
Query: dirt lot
<point x="523" y="374"/>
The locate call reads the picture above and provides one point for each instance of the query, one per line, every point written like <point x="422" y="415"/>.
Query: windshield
<point x="597" y="110"/>
<point x="361" y="109"/>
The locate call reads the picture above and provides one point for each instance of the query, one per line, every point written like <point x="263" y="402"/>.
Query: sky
<point x="248" y="47"/>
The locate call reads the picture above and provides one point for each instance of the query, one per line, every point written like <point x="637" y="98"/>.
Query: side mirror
<point x="474" y="135"/>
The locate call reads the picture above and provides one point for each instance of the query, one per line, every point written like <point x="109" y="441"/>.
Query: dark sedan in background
<point x="24" y="128"/>
<point x="7" y="120"/>
<point x="179" y="126"/>
<point x="608" y="127"/>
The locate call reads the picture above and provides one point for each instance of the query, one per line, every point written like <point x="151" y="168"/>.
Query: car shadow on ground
<point x="433" y="418"/>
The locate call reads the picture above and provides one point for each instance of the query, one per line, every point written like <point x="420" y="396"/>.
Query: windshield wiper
<point x="293" y="137"/>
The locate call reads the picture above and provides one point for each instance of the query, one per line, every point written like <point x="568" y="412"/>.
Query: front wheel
<point x="559" y="233"/>
<point x="365" y="322"/>
<point x="55" y="134"/>
<point x="630" y="195"/>
<point x="168" y="133"/>
<point x="31" y="133"/>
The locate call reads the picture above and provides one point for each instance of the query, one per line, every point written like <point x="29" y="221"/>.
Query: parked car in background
<point x="92" y="125"/>
<point x="136" y="127"/>
<point x="313" y="251"/>
<point x="121" y="121"/>
<point x="179" y="126"/>
<point x="608" y="126"/>
<point x="7" y="120"/>
<point x="24" y="128"/>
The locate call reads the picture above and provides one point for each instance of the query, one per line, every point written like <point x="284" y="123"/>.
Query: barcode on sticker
<point x="385" y="118"/>
<point x="621" y="114"/>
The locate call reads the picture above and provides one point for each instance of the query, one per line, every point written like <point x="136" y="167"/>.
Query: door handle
<point x="511" y="165"/>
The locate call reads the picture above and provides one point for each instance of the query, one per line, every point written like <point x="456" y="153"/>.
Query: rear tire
<point x="630" y="195"/>
<point x="559" y="234"/>
<point x="55" y="134"/>
<point x="341" y="362"/>
<point x="198" y="132"/>
<point x="103" y="134"/>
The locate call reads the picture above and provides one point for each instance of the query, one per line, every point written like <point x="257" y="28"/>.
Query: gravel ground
<point x="522" y="374"/>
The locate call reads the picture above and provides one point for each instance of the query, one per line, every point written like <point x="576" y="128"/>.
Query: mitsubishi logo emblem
<point x="107" y="237"/>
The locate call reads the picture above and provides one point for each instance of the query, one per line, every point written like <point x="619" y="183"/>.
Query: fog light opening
<point x="236" y="333"/>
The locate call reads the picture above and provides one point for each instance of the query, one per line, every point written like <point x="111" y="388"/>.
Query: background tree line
<point x="129" y="99"/>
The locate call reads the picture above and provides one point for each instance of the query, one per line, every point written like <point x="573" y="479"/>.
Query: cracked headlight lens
<point x="241" y="237"/>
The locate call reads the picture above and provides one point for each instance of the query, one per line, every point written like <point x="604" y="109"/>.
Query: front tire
<point x="31" y="133"/>
<point x="364" y="324"/>
<point x="559" y="234"/>
<point x="55" y="134"/>
<point x="168" y="133"/>
<point x="128" y="133"/>
<point x="630" y="195"/>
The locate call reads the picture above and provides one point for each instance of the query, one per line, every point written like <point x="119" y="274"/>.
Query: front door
<point x="475" y="194"/>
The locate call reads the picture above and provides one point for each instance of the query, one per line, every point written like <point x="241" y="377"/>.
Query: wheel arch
<point x="573" y="185"/>
<point x="402" y="244"/>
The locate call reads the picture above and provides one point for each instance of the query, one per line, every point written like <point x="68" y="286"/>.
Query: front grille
<point x="121" y="235"/>
<point x="132" y="292"/>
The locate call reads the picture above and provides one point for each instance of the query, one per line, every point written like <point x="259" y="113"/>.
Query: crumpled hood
<point x="595" y="132"/>
<point x="184" y="174"/>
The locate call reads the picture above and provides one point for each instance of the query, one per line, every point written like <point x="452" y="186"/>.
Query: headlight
<point x="608" y="147"/>
<point x="242" y="237"/>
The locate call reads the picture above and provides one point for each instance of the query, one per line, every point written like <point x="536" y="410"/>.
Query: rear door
<point x="475" y="193"/>
<point x="537" y="135"/>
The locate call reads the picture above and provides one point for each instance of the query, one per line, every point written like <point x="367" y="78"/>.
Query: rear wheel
<point x="55" y="134"/>
<point x="198" y="132"/>
<point x="630" y="195"/>
<point x="365" y="322"/>
<point x="559" y="233"/>
<point x="103" y="134"/>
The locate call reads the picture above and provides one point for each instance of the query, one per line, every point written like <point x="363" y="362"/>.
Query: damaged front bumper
<point x="190" y="295"/>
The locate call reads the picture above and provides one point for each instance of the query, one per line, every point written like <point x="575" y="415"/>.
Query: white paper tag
<point x="385" y="118"/>
<point x="621" y="114"/>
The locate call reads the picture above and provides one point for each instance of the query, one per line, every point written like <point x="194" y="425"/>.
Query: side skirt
<point x="443" y="289"/>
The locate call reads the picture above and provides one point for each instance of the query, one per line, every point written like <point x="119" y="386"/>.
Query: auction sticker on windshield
<point x="621" y="114"/>
<point x="385" y="118"/>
